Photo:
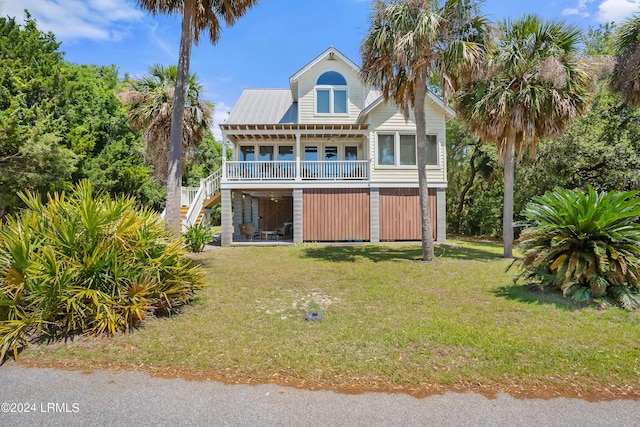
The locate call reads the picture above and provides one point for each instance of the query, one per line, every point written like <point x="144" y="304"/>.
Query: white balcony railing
<point x="259" y="171"/>
<point x="334" y="170"/>
<point x="286" y="170"/>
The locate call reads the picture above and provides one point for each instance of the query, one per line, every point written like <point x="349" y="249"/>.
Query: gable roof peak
<point x="331" y="54"/>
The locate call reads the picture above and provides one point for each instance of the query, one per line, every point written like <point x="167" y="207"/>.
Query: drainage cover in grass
<point x="314" y="315"/>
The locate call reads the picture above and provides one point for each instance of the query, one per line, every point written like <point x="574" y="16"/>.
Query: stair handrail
<point x="208" y="186"/>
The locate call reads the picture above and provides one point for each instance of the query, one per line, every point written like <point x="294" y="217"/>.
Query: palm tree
<point x="150" y="104"/>
<point x="197" y="16"/>
<point x="531" y="88"/>
<point x="409" y="43"/>
<point x="625" y="78"/>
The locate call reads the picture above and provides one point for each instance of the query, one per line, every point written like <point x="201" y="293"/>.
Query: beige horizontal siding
<point x="306" y="93"/>
<point x="386" y="118"/>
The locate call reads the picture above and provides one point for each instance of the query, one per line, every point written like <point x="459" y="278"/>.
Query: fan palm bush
<point x="86" y="263"/>
<point x="586" y="244"/>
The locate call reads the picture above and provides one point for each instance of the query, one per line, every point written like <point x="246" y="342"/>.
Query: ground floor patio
<point x="271" y="216"/>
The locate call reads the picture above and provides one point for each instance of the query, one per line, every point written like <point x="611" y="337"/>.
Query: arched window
<point x="331" y="93"/>
<point x="332" y="78"/>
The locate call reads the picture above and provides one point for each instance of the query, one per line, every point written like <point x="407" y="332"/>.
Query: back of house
<point x="327" y="159"/>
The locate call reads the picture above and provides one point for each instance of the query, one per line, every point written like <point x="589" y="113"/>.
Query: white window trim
<point x="396" y="148"/>
<point x="331" y="89"/>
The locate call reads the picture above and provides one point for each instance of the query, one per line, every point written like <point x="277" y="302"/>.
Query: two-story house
<point x="329" y="158"/>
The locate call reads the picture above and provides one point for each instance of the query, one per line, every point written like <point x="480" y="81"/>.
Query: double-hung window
<point x="331" y="94"/>
<point x="399" y="149"/>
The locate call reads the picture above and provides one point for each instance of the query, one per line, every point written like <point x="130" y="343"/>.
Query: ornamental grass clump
<point x="586" y="245"/>
<point x="197" y="236"/>
<point x="85" y="263"/>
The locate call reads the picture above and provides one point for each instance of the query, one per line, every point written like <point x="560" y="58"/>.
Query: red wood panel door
<point x="400" y="214"/>
<point x="339" y="214"/>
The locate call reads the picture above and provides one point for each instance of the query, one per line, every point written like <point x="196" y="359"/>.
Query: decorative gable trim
<point x="330" y="52"/>
<point x="448" y="111"/>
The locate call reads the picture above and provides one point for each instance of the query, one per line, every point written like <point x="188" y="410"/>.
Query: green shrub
<point x="85" y="263"/>
<point x="585" y="244"/>
<point x="197" y="236"/>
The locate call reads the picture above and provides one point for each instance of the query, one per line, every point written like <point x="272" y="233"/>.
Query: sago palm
<point x="150" y="107"/>
<point x="197" y="16"/>
<point x="408" y="43"/>
<point x="532" y="87"/>
<point x="585" y="244"/>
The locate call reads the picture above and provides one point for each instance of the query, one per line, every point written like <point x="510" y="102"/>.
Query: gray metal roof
<point x="264" y="106"/>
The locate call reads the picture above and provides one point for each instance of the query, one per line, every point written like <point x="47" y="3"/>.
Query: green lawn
<point x="391" y="323"/>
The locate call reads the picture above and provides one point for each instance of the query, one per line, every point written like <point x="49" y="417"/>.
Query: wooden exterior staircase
<point x="196" y="200"/>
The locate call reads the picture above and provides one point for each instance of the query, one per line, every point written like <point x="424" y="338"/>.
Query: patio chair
<point x="249" y="232"/>
<point x="286" y="231"/>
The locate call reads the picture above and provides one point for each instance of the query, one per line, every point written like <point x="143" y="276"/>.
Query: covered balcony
<point x="297" y="153"/>
<point x="297" y="171"/>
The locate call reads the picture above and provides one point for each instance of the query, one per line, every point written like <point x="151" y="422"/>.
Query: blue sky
<point x="265" y="47"/>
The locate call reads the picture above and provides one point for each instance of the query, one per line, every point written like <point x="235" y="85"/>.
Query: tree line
<point x="526" y="95"/>
<point x="61" y="123"/>
<point x="600" y="149"/>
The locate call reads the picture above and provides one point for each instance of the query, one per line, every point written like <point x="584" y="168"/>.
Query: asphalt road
<point x="111" y="398"/>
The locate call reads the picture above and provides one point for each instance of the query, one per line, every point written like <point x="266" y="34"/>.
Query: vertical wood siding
<point x="339" y="214"/>
<point x="273" y="215"/>
<point x="400" y="214"/>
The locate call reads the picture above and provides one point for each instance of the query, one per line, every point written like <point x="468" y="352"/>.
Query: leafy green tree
<point x="601" y="150"/>
<point x="407" y="44"/>
<point x="61" y="122"/>
<point x="600" y="40"/>
<point x="204" y="160"/>
<point x="474" y="183"/>
<point x="32" y="155"/>
<point x="111" y="152"/>
<point x="532" y="87"/>
<point x="197" y="16"/>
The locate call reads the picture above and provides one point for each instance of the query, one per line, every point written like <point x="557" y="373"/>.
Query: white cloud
<point x="580" y="9"/>
<point x="77" y="19"/>
<point x="617" y="10"/>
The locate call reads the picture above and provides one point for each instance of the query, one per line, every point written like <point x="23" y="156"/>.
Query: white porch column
<point x="297" y="216"/>
<point x="227" y="219"/>
<point x="298" y="146"/>
<point x="237" y="214"/>
<point x="374" y="215"/>
<point x="224" y="158"/>
<point x="255" y="212"/>
<point x="441" y="215"/>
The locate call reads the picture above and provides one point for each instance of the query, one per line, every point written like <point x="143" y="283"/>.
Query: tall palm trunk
<point x="421" y="142"/>
<point x="507" y="213"/>
<point x="174" y="172"/>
